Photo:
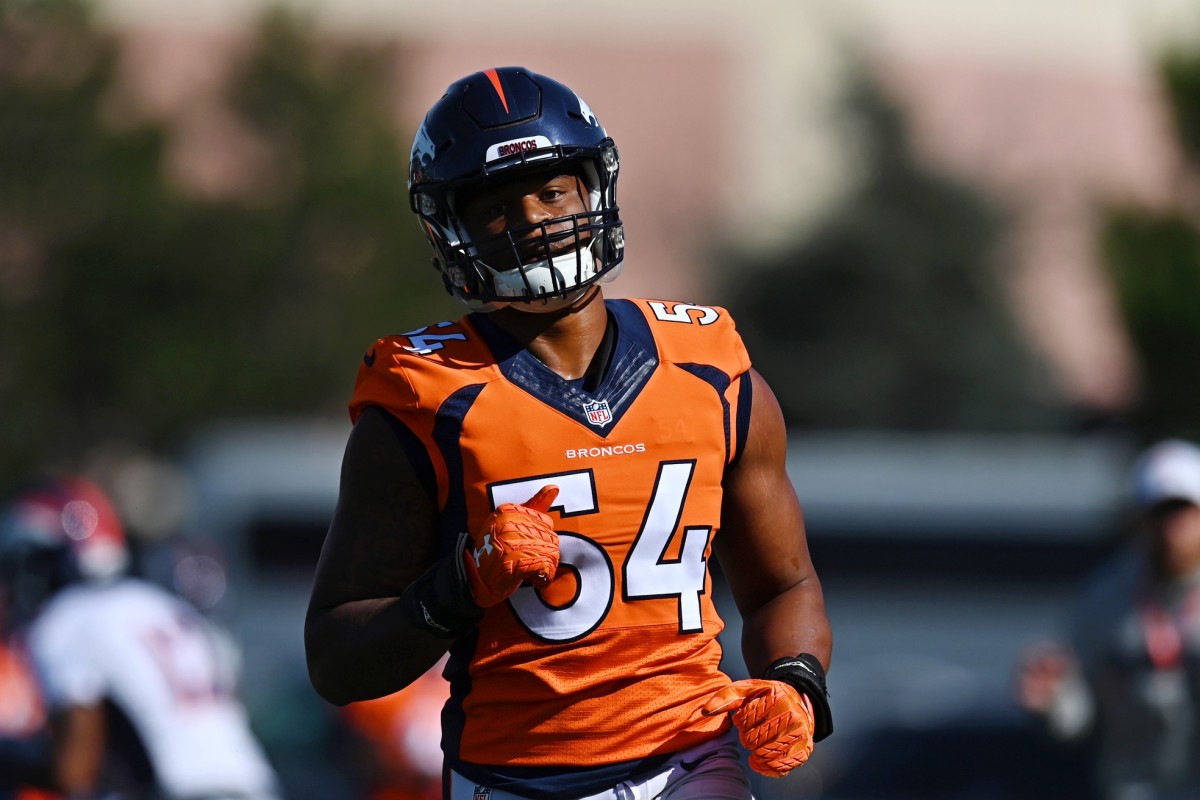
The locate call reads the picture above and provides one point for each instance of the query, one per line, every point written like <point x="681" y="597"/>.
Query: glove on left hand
<point x="774" y="722"/>
<point x="515" y="544"/>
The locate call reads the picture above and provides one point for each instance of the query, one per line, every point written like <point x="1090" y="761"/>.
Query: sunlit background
<point x="961" y="239"/>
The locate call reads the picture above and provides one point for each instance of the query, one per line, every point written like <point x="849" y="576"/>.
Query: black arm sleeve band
<point x="805" y="673"/>
<point x="439" y="601"/>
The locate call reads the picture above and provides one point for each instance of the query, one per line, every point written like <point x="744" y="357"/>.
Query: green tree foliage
<point x="890" y="314"/>
<point x="1153" y="258"/>
<point x="1179" y="72"/>
<point x="133" y="309"/>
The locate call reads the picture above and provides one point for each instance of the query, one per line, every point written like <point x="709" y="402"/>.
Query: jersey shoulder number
<point x="418" y="368"/>
<point x="690" y="333"/>
<point x="686" y="313"/>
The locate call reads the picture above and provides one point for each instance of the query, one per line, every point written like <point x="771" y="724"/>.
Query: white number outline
<point x="647" y="560"/>
<point x="423" y="343"/>
<point x="680" y="312"/>
<point x="644" y="566"/>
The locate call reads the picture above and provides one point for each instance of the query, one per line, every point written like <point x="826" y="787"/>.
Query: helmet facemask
<point x="544" y="264"/>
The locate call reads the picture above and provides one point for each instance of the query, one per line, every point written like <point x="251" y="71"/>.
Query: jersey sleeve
<point x="414" y="372"/>
<point x="383" y="381"/>
<point x="410" y="376"/>
<point x="705" y="340"/>
<point x="61" y="644"/>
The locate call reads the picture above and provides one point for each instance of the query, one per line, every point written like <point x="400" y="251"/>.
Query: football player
<point x="538" y="488"/>
<point x="139" y="688"/>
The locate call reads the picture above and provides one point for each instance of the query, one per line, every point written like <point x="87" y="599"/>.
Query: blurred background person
<point x="1127" y="680"/>
<point x="140" y="691"/>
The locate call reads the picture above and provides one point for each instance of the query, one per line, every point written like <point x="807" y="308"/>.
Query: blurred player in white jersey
<point x="140" y="688"/>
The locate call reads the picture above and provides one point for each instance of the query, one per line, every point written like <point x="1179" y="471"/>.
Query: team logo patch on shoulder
<point x="598" y="413"/>
<point x="482" y="793"/>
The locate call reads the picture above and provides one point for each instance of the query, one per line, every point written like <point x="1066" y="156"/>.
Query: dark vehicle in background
<point x="941" y="557"/>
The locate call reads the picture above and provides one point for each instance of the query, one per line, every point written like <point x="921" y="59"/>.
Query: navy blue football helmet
<point x="506" y="121"/>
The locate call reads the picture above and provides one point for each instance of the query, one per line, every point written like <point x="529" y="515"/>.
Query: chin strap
<point x="571" y="268"/>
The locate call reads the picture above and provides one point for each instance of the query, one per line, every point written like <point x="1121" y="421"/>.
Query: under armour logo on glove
<point x="774" y="722"/>
<point x="515" y="544"/>
<point x="486" y="549"/>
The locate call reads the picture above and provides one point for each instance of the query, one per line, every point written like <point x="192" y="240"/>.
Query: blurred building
<point x="728" y="124"/>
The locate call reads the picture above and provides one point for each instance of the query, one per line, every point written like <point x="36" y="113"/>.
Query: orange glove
<point x="774" y="722"/>
<point x="515" y="544"/>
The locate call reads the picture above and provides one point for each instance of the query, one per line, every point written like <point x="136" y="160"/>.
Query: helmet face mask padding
<point x="546" y="258"/>
<point x="505" y="124"/>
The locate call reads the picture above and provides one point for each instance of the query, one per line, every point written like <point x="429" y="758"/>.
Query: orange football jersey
<point x="613" y="661"/>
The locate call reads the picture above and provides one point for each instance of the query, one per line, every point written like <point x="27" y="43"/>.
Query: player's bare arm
<point x="763" y="551"/>
<point x="79" y="749"/>
<point x="783" y="708"/>
<point x="383" y="536"/>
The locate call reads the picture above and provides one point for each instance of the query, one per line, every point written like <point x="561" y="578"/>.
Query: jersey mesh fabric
<point x="614" y="660"/>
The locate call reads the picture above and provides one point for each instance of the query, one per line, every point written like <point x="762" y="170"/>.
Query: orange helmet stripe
<point x="495" y="79"/>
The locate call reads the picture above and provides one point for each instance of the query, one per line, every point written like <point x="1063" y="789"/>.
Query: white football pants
<point x="709" y="771"/>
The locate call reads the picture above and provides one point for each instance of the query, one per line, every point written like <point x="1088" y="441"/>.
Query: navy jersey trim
<point x="632" y="362"/>
<point x="555" y="783"/>
<point x="414" y="451"/>
<point x="719" y="381"/>
<point x="745" y="404"/>
<point x="457" y="674"/>
<point x="447" y="434"/>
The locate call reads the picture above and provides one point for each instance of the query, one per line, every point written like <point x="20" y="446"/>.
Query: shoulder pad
<point x="420" y="368"/>
<point x="692" y="333"/>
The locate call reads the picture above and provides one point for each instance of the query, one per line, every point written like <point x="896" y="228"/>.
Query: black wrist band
<point x="439" y="600"/>
<point x="805" y="674"/>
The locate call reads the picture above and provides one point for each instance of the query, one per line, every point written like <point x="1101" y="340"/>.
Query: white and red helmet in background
<point x="55" y="532"/>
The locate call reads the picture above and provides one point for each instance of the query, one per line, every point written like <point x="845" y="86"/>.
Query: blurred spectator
<point x="1127" y="679"/>
<point x="139" y="688"/>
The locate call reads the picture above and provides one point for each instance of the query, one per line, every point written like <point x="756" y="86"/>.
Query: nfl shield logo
<point x="598" y="413"/>
<point x="481" y="793"/>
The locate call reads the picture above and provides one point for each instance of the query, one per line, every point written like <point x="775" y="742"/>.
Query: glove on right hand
<point x="515" y="544"/>
<point x="774" y="722"/>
